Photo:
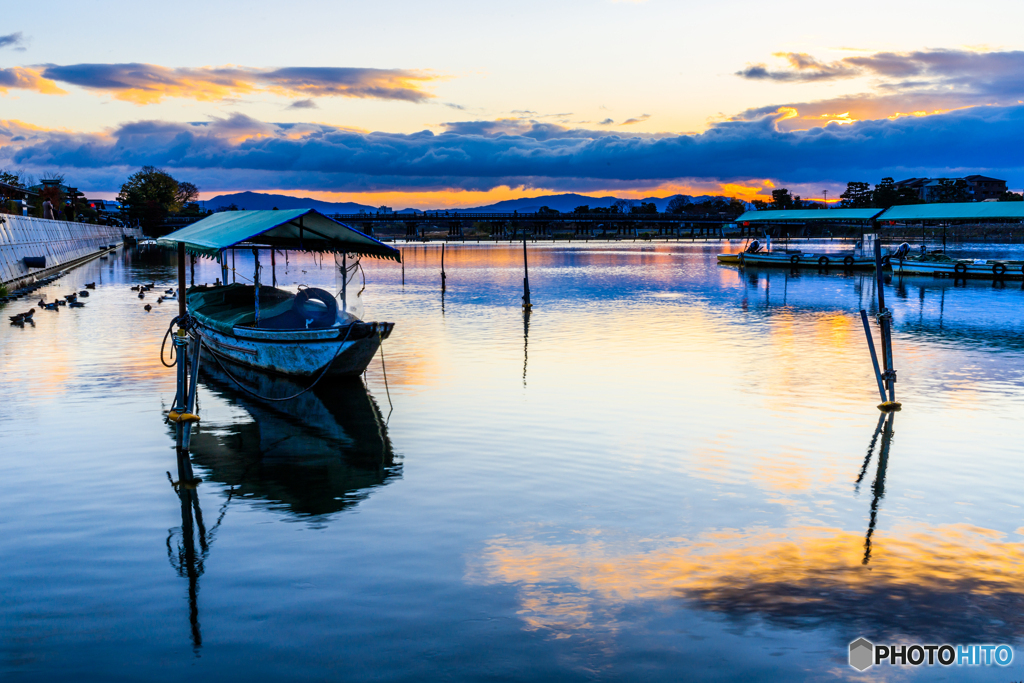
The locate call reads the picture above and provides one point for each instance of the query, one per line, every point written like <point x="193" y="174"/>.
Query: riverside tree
<point x="150" y="195"/>
<point x="857" y="196"/>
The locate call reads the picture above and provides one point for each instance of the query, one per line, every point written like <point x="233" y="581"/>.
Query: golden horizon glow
<point x="461" y="199"/>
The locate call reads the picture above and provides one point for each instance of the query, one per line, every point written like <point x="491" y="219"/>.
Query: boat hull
<point x="298" y="353"/>
<point x="1003" y="270"/>
<point x="800" y="260"/>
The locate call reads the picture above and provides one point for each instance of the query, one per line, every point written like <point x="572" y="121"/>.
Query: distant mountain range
<point x="256" y="201"/>
<point x="252" y="201"/>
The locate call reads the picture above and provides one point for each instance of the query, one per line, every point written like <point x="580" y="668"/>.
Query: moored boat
<point x="940" y="265"/>
<point x="301" y="335"/>
<point x="305" y="334"/>
<point x="754" y="255"/>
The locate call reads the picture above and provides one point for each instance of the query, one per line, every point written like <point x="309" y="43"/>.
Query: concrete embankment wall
<point x="61" y="242"/>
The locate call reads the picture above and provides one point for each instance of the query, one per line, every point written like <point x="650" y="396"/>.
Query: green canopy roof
<point x="965" y="211"/>
<point x="295" y="229"/>
<point x="804" y="215"/>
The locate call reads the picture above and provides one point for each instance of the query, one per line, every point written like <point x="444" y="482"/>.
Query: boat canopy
<point x="295" y="229"/>
<point x="806" y="216"/>
<point x="961" y="211"/>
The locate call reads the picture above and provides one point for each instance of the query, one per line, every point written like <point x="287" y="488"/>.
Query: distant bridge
<point x="511" y="224"/>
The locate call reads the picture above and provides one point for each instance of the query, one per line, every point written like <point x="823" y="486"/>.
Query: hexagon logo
<point x="862" y="654"/>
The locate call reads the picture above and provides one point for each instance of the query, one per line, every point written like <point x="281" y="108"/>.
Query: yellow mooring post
<point x="526" y="279"/>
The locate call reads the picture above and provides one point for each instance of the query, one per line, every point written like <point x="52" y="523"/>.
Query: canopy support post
<point x="273" y="267"/>
<point x="344" y="281"/>
<point x="256" y="281"/>
<point x="223" y="268"/>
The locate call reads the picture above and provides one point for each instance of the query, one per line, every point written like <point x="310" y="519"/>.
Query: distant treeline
<point x="886" y="193"/>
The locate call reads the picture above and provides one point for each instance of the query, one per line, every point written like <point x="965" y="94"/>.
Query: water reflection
<point x="885" y="423"/>
<point x="181" y="542"/>
<point x="313" y="455"/>
<point x="526" y="341"/>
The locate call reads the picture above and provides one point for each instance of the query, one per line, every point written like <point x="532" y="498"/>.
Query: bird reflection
<point x="883" y="429"/>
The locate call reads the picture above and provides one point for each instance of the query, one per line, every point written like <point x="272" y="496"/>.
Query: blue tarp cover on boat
<point x="805" y="215"/>
<point x="295" y="229"/>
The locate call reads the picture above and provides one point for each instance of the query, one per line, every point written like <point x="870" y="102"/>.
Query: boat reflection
<point x="313" y="455"/>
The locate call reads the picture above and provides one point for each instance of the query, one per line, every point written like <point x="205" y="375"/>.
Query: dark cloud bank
<point x="240" y="153"/>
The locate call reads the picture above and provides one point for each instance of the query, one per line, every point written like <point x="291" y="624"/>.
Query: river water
<point x="671" y="470"/>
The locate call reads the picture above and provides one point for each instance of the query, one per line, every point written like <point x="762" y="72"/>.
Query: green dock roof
<point x="301" y="229"/>
<point x="804" y="216"/>
<point x="966" y="211"/>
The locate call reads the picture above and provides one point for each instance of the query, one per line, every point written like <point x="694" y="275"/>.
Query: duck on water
<point x="303" y="334"/>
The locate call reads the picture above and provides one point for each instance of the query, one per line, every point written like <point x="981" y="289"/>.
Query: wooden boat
<point x="940" y="265"/>
<point x="791" y="258"/>
<point x="304" y="334"/>
<point x="753" y="255"/>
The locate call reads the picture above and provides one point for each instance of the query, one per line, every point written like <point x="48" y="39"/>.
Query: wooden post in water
<point x="273" y="268"/>
<point x="526" y="280"/>
<point x="443" y="276"/>
<point x="192" y="263"/>
<point x="401" y="255"/>
<point x="234" y="278"/>
<point x="223" y="268"/>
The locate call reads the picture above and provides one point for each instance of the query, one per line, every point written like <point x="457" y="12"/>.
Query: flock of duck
<point x="72" y="301"/>
<point x="169" y="295"/>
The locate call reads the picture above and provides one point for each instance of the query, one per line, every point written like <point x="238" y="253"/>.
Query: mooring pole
<point x="223" y="268"/>
<point x="190" y="403"/>
<point x="884" y="317"/>
<point x="192" y="262"/>
<point x="874" y="356"/>
<point x="443" y="276"/>
<point x="180" y="348"/>
<point x="526" y="279"/>
<point x="234" y="278"/>
<point x="401" y="255"/>
<point x="273" y="268"/>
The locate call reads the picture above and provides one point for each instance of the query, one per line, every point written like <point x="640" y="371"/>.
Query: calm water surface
<point x="672" y="470"/>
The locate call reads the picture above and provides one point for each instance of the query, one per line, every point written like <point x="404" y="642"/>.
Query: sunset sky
<point x="459" y="103"/>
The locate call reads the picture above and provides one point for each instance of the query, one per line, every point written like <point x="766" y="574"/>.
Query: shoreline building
<point x="979" y="188"/>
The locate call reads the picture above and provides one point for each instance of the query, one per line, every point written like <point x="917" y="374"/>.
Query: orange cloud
<point x="21" y="78"/>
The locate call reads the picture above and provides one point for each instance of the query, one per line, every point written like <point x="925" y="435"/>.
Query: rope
<point x="185" y="324"/>
<point x="267" y="398"/>
<point x="384" y="369"/>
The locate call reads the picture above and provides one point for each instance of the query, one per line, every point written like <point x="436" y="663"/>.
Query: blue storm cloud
<point x="240" y="152"/>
